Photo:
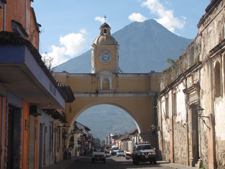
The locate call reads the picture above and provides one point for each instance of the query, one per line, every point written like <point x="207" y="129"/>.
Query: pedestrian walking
<point x="65" y="150"/>
<point x="69" y="152"/>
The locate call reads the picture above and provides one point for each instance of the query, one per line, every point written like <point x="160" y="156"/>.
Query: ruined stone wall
<point x="180" y="142"/>
<point x="213" y="35"/>
<point x="204" y="137"/>
<point x="182" y="64"/>
<point x="164" y="130"/>
<point x="197" y="67"/>
<point x="219" y="107"/>
<point x="166" y="150"/>
<point x="220" y="153"/>
<point x="179" y="117"/>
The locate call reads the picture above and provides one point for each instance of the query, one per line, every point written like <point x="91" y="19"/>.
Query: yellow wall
<point x="131" y="93"/>
<point x="90" y="83"/>
<point x="101" y="66"/>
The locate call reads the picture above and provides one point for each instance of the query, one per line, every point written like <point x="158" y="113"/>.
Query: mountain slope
<point x="106" y="119"/>
<point x="144" y="46"/>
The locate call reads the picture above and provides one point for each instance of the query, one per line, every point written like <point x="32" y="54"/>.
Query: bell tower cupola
<point x="105" y="54"/>
<point x="105" y="29"/>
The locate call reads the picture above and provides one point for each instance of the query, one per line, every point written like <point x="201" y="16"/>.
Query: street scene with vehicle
<point x="94" y="84"/>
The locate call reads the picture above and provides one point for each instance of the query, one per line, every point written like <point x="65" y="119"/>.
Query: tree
<point x="47" y="59"/>
<point x="97" y="142"/>
<point x="103" y="143"/>
<point x="170" y="61"/>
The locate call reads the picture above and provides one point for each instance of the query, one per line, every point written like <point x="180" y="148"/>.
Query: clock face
<point x="105" y="57"/>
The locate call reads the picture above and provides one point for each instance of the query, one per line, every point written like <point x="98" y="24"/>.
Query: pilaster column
<point x="101" y="83"/>
<point x="110" y="82"/>
<point x="171" y="141"/>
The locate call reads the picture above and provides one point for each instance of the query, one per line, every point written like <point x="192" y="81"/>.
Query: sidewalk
<point x="61" y="164"/>
<point x="174" y="165"/>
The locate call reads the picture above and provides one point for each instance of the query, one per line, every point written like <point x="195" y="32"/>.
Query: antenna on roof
<point x="105" y="18"/>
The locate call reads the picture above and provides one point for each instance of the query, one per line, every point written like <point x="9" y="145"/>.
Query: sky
<point x="69" y="27"/>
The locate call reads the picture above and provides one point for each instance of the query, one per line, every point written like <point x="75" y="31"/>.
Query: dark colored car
<point x="143" y="153"/>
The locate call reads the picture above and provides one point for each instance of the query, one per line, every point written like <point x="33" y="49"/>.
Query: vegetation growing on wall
<point x="189" y="58"/>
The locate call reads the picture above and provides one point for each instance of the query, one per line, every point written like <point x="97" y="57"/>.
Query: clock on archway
<point x="105" y="57"/>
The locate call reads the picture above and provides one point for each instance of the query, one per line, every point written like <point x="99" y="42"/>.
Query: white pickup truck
<point x="114" y="150"/>
<point x="98" y="154"/>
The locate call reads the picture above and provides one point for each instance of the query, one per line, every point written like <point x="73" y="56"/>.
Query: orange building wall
<point x="25" y="136"/>
<point x="16" y="10"/>
<point x="1" y="19"/>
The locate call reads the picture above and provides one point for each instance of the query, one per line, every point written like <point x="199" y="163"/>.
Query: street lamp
<point x="153" y="127"/>
<point x="199" y="110"/>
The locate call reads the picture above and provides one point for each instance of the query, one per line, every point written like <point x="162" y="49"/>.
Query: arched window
<point x="217" y="80"/>
<point x="105" y="84"/>
<point x="167" y="108"/>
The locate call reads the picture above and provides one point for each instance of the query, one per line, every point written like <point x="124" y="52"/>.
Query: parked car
<point x="144" y="152"/>
<point x="128" y="154"/>
<point x="114" y="150"/>
<point x="107" y="153"/>
<point x="98" y="154"/>
<point x="120" y="153"/>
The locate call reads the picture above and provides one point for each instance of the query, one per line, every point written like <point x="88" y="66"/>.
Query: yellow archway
<point x="134" y="93"/>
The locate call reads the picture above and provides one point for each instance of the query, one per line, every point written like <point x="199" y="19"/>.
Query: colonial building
<point x="191" y="101"/>
<point x="83" y="140"/>
<point x="29" y="95"/>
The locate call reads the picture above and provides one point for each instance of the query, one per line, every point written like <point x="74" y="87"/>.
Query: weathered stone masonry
<point x="196" y="79"/>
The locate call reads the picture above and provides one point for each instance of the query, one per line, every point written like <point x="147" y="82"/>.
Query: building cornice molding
<point x="133" y="76"/>
<point x="180" y="78"/>
<point x="115" y="95"/>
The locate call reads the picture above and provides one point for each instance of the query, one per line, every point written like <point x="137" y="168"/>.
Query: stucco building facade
<point x="27" y="91"/>
<point x="188" y="134"/>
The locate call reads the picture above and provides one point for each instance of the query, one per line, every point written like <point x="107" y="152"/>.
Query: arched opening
<point x="110" y="120"/>
<point x="217" y="80"/>
<point x="113" y="121"/>
<point x="125" y="109"/>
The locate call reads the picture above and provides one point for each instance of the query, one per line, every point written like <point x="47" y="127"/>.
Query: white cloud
<point x="137" y="17"/>
<point x="74" y="43"/>
<point x="101" y="19"/>
<point x="166" y="17"/>
<point x="70" y="45"/>
<point x="83" y="31"/>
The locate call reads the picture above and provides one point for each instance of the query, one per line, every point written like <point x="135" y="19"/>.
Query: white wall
<point x="48" y="155"/>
